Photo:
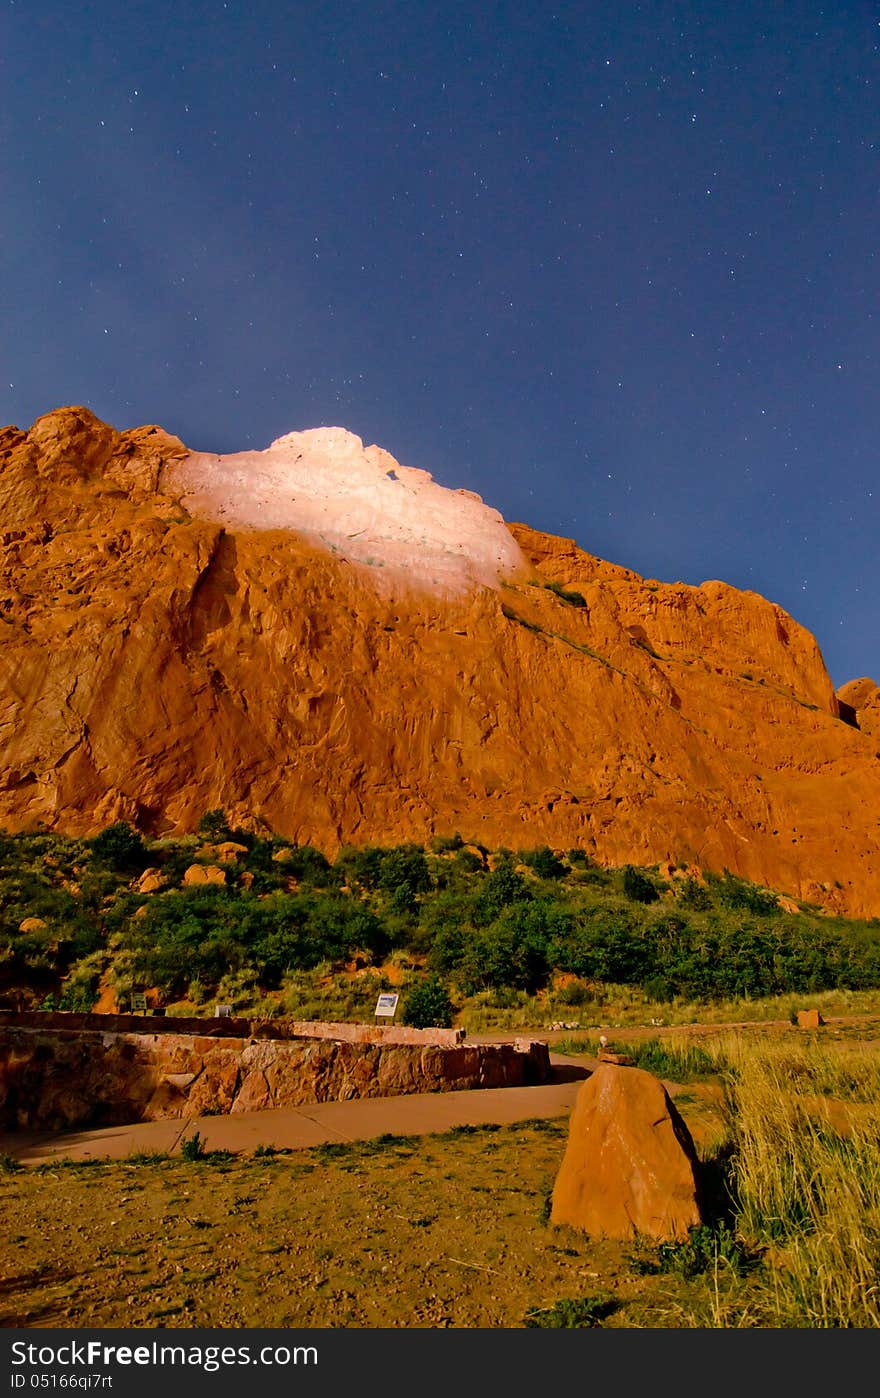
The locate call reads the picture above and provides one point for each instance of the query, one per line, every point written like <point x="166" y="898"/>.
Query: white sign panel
<point x="387" y="1004"/>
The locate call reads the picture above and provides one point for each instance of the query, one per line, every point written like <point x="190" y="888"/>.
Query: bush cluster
<point x="505" y="929"/>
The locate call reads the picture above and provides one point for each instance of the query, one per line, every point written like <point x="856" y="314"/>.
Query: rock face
<point x="863" y="697"/>
<point x="183" y="632"/>
<point x="357" y="502"/>
<point x="629" y="1167"/>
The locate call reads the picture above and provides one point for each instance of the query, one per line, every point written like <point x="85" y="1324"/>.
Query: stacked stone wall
<point x="59" y="1076"/>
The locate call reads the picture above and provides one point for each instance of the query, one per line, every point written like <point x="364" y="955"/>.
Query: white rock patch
<point x="357" y="502"/>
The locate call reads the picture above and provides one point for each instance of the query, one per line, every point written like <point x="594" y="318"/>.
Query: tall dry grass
<point x="804" y="1124"/>
<point x="802" y="1152"/>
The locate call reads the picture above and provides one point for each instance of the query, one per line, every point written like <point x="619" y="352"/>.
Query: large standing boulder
<point x="809" y="1019"/>
<point x="630" y="1167"/>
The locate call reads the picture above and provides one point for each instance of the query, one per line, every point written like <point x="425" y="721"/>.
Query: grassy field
<point x="625" y="1007"/>
<point x="453" y="1230"/>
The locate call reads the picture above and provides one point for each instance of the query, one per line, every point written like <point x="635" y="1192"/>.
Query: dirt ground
<point x="441" y="1231"/>
<point x="436" y="1231"/>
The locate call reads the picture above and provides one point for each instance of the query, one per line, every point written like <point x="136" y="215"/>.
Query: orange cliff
<point x="163" y="654"/>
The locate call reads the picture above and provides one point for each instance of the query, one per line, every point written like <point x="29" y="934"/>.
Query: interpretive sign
<point x="387" y="1004"/>
<point x="139" y="1002"/>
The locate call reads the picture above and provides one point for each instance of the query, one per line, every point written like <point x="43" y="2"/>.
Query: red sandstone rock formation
<point x="155" y="664"/>
<point x="629" y="1167"/>
<point x="863" y="698"/>
<point x="809" y="1019"/>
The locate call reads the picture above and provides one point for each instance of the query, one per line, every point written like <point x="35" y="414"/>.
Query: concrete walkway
<point x="317" y="1123"/>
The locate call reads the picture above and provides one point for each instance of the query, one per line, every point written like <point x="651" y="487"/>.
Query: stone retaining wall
<point x="57" y="1078"/>
<point x="229" y="1028"/>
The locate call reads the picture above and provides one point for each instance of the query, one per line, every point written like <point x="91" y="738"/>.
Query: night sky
<point x="613" y="266"/>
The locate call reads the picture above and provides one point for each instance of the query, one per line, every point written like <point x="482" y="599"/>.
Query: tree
<point x="638" y="886"/>
<point x="214" y="826"/>
<point x="544" y="862"/>
<point x="404" y="867"/>
<point x="503" y="887"/>
<point x="120" y="847"/>
<point x="693" y="895"/>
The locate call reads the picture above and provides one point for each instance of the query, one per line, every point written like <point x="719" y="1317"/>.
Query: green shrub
<point x="572" y="1313"/>
<point x="428" y="1006"/>
<point x="605" y="945"/>
<point x="516" y="949"/>
<point x="445" y="844"/>
<point x="401" y="871"/>
<point x="210" y="932"/>
<point x="468" y="862"/>
<point x="741" y="895"/>
<point x="638" y="887"/>
<point x="193" y="1147"/>
<point x="501" y="888"/>
<point x="310" y="866"/>
<point x="504" y="997"/>
<point x="120" y="847"/>
<point x="574" y="599"/>
<point x="659" y="989"/>
<point x="360" y="866"/>
<point x="594" y="876"/>
<point x="677" y="1064"/>
<point x="80" y="990"/>
<point x="448" y="945"/>
<point x="404" y="873"/>
<point x="703" y="1248"/>
<point x="692" y="895"/>
<point x="493" y="933"/>
<point x="214" y="826"/>
<point x="544" y="862"/>
<point x="575" y="993"/>
<point x="76" y="1000"/>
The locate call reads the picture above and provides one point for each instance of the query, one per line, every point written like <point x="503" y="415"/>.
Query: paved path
<point x="293" y="1128"/>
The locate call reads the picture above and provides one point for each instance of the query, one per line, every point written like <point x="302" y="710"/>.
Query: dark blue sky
<point x="614" y="266"/>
